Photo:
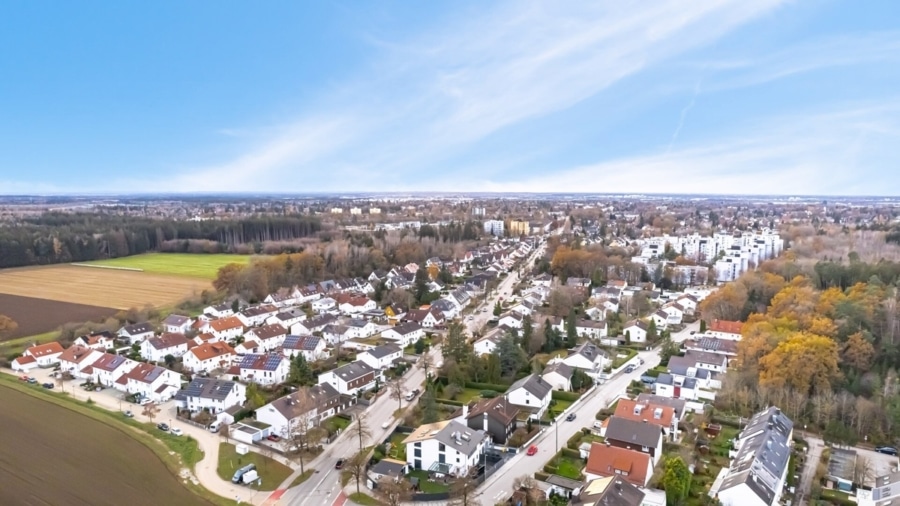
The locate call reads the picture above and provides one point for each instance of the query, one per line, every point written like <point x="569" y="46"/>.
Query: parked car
<point x="48" y="386"/>
<point x="163" y="427"/>
<point x="648" y="380"/>
<point x="144" y="401"/>
<point x="128" y="414"/>
<point x="570" y="417"/>
<point x="273" y="437"/>
<point x="385" y="425"/>
<point x="532" y="450"/>
<point x="32" y="380"/>
<point x="239" y="474"/>
<point x="640" y="361"/>
<point x="176" y="431"/>
<point x="339" y="464"/>
<point x="887" y="450"/>
<point x="23" y="378"/>
<point x="630" y="368"/>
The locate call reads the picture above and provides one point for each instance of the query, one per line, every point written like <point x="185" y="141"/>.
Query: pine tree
<point x="571" y="331"/>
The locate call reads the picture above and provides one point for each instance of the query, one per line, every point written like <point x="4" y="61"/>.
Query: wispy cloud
<point x="433" y="95"/>
<point x="843" y="152"/>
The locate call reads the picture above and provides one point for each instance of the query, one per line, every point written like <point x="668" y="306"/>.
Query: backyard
<point x="398" y="449"/>
<point x="428" y="487"/>
<point x="623" y="355"/>
<point x="271" y="472"/>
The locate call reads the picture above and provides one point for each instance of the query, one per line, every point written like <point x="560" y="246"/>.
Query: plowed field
<point x="36" y="316"/>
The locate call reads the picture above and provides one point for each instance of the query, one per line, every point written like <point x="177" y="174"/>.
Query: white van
<point x="214" y="427"/>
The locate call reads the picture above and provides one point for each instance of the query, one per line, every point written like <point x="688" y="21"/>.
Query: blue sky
<point x="665" y="96"/>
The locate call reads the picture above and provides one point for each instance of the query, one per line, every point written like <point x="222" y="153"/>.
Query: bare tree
<point x="462" y="493"/>
<point x="864" y="470"/>
<point x="225" y="431"/>
<point x="395" y="387"/>
<point x="355" y="466"/>
<point x="150" y="411"/>
<point x="427" y="362"/>
<point x="301" y="434"/>
<point x="394" y="491"/>
<point x="361" y="429"/>
<point x="530" y="486"/>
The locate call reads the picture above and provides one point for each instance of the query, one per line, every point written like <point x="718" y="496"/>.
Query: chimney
<point x="485" y="421"/>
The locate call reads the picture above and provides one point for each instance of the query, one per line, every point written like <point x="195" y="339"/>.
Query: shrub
<point x="489" y="394"/>
<point x="572" y="454"/>
<point x="486" y="386"/>
<point x="565" y="396"/>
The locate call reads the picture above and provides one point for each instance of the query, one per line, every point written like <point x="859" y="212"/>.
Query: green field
<point x="199" y="265"/>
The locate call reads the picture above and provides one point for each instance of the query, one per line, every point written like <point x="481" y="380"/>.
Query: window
<point x="441" y="447"/>
<point x="527" y="401"/>
<point x="645" y="449"/>
<point x="441" y="458"/>
<point x="417" y="445"/>
<point x="418" y="453"/>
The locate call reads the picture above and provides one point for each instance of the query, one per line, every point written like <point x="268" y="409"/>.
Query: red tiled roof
<point x="209" y="350"/>
<point x="230" y="322"/>
<point x="726" y="326"/>
<point x="41" y="350"/>
<point x="611" y="460"/>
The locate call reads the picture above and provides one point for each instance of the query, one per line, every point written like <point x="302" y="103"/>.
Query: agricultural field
<point x="200" y="266"/>
<point x="36" y="316"/>
<point x="52" y="455"/>
<point x="108" y="288"/>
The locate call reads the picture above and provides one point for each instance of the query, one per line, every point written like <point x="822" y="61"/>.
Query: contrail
<point x="684" y="112"/>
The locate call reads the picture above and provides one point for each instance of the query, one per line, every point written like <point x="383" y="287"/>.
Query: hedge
<point x="539" y="476"/>
<point x="572" y="454"/>
<point x="486" y="386"/>
<point x="449" y="402"/>
<point x="561" y="395"/>
<point x="550" y="469"/>
<point x="573" y="441"/>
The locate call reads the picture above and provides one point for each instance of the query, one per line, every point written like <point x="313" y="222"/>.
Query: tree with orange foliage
<point x="761" y="335"/>
<point x="433" y="271"/>
<point x="858" y="352"/>
<point x="726" y="303"/>
<point x="802" y="362"/>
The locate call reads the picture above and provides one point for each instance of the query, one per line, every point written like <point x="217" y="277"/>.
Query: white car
<point x="175" y="431"/>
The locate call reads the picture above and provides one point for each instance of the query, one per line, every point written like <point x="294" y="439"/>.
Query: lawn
<point x="271" y="472"/>
<point x="364" y="499"/>
<point x="336" y="422"/>
<point x="398" y="449"/>
<point x="17" y="346"/>
<point x="205" y="266"/>
<point x="559" y="405"/>
<point x="425" y="486"/>
<point x="302" y="477"/>
<point x="569" y="468"/>
<point x="623" y="355"/>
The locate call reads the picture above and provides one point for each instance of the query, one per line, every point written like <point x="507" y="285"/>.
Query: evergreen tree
<point x="527" y="331"/>
<point x="512" y="357"/>
<point x="455" y="346"/>
<point x="651" y="331"/>
<point x="300" y="372"/>
<point x="571" y="331"/>
<point x="421" y="284"/>
<point x="429" y="406"/>
<point x="702" y="326"/>
<point x="676" y="481"/>
<point x="497" y="309"/>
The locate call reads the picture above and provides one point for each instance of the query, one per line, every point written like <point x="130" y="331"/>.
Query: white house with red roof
<point x="151" y="382"/>
<point x="177" y="323"/>
<point x="109" y="368"/>
<point x="724" y="329"/>
<point x="78" y="361"/>
<point x="268" y="337"/>
<point x="41" y="355"/>
<point x="98" y="340"/>
<point x="270" y="369"/>
<point x="157" y="348"/>
<point x="226" y="329"/>
<point x="207" y="357"/>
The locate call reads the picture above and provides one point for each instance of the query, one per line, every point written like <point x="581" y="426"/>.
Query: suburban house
<point x="592" y="329"/>
<point x="283" y="298"/>
<point x="151" y="382"/>
<point x="335" y="333"/>
<point x="678" y="405"/>
<point x="558" y="375"/>
<point x="270" y="369"/>
<point x="212" y="395"/>
<point x="323" y="305"/>
<point x="136" y="332"/>
<point x="708" y="344"/>
<point x="532" y="394"/>
<point x="155" y="349"/>
<point x="208" y="357"/>
<point x="588" y="357"/>
<point x="41" y="355"/>
<point x="108" y="368"/>
<point x="487" y="344"/>
<point x="308" y="405"/>
<point x="175" y="323"/>
<point x="496" y="417"/>
<point x="357" y="328"/>
<point x="660" y="319"/>
<point x="219" y="310"/>
<point x="350" y="378"/>
<point x="447" y="447"/>
<point x="427" y="318"/>
<point x="404" y="334"/>
<point x="885" y="491"/>
<point x="459" y="297"/>
<point x="612" y="491"/>
<point x="668" y="385"/>
<point x="311" y="347"/>
<point x="287" y="318"/>
<point x="638" y="436"/>
<point x="226" y="329"/>
<point x="355" y="304"/>
<point x="524" y="308"/>
<point x="381" y="357"/>
<point x="636" y="330"/>
<point x="675" y="313"/>
<point x="663" y="416"/>
<point x="607" y="460"/>
<point x="714" y="362"/>
<point x="725" y="329"/>
<point x="700" y="366"/>
<point x="316" y="324"/>
<point x="269" y="337"/>
<point x="77" y="361"/>
<point x="256" y="315"/>
<point x="386" y="469"/>
<point x="758" y="472"/>
<point x="447" y="308"/>
<point x="688" y="302"/>
<point x="511" y="320"/>
<point x="102" y="341"/>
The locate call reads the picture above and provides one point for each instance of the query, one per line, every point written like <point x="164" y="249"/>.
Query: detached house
<point x="212" y="395"/>
<point x="316" y="324"/>
<point x="77" y="361"/>
<point x="219" y="310"/>
<point x="591" y="329"/>
<point x="102" y="341"/>
<point x="150" y="381"/>
<point x="487" y="344"/>
<point x="324" y="305"/>
<point x="350" y="304"/>
<point x="559" y="376"/>
<point x="175" y="323"/>
<point x="109" y="368"/>
<point x="656" y="414"/>
<point x="674" y="313"/>
<point x="209" y="356"/>
<point x="511" y="320"/>
<point x="496" y="417"/>
<point x="427" y="318"/>
<point x="606" y="460"/>
<point x="636" y="330"/>
<point x="351" y="378"/>
<point x="226" y="329"/>
<point x="287" y="318"/>
<point x="311" y="347"/>
<point x="532" y="394"/>
<point x="724" y="329"/>
<point x="269" y="369"/>
<point x="381" y="357"/>
<point x="307" y="406"/>
<point x="359" y="328"/>
<point x="256" y="315"/>
<point x="136" y="333"/>
<point x="447" y="447"/>
<point x="41" y="355"/>
<point x="588" y="357"/>
<point x="269" y="337"/>
<point x="404" y="334"/>
<point x="155" y="349"/>
<point x="638" y="436"/>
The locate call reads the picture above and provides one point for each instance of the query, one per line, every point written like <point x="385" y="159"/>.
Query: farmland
<point x="36" y="316"/>
<point x="52" y="455"/>
<point x="200" y="266"/>
<point x="109" y="288"/>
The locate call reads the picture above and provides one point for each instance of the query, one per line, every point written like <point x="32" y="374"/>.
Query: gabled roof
<point x="145" y="373"/>
<point x="305" y="400"/>
<point x="290" y="314"/>
<point x="306" y="343"/>
<point x="677" y="405"/>
<point x="167" y="340"/>
<point x="764" y="454"/>
<point x="269" y="331"/>
<point x="608" y="460"/>
<point x="259" y="310"/>
<point x="637" y="323"/>
<point x="357" y="322"/>
<point x="227" y="323"/>
<point x="642" y="411"/>
<point x="561" y="368"/>
<point x="42" y="350"/>
<point x="588" y="350"/>
<point x="498" y="408"/>
<point x="75" y="354"/>
<point x="610" y="491"/>
<point x="110" y="362"/>
<point x="384" y="350"/>
<point x="352" y="371"/>
<point x="207" y="351"/>
<point x="406" y="328"/>
<point x="176" y="319"/>
<point x="725" y="326"/>
<point x="138" y="328"/>
<point x="630" y="431"/>
<point x="534" y="384"/>
<point x="208" y="388"/>
<point x="713" y="345"/>
<point x="451" y="433"/>
<point x="270" y="362"/>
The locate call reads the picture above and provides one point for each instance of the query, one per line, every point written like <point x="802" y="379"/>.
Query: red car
<point x="532" y="450"/>
<point x="23" y="378"/>
<point x="273" y="437"/>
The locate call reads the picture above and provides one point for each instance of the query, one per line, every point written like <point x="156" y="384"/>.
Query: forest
<point x="60" y="237"/>
<point x="821" y="341"/>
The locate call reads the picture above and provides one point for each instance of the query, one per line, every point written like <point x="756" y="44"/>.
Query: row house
<point x="208" y="357"/>
<point x="228" y="328"/>
<point x="381" y="357"/>
<point x="157" y="348"/>
<point x="312" y="325"/>
<point x="212" y="395"/>
<point x="270" y="369"/>
<point x="307" y="406"/>
<point x="324" y="305"/>
<point x="150" y="382"/>
<point x="219" y="310"/>
<point x="137" y="332"/>
<point x="77" y="361"/>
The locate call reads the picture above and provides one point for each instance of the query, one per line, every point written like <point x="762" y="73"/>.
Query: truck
<point x="249" y="477"/>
